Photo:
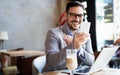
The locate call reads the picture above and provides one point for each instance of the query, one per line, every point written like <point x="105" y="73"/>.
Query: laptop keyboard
<point x="83" y="70"/>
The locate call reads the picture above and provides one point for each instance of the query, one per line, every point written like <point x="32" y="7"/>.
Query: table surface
<point x="104" y="72"/>
<point x="6" y="56"/>
<point x="23" y="53"/>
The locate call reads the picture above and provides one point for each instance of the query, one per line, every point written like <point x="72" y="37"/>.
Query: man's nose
<point x="77" y="18"/>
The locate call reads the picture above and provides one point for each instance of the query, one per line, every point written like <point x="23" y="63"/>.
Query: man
<point x="68" y="36"/>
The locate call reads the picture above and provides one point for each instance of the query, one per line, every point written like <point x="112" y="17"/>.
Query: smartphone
<point x="85" y="27"/>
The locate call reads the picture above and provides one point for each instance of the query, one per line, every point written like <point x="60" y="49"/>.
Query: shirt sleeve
<point x="85" y="53"/>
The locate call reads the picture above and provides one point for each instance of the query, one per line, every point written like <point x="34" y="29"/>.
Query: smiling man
<point x="68" y="36"/>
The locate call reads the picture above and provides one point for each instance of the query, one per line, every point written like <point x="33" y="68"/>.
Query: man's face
<point x="74" y="17"/>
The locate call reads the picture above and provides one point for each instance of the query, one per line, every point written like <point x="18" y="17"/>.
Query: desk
<point x="105" y="72"/>
<point x="108" y="72"/>
<point x="23" y="57"/>
<point x="23" y="53"/>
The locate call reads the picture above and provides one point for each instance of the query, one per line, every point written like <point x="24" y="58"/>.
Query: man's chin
<point x="75" y="28"/>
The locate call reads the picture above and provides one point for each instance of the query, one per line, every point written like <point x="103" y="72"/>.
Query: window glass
<point x="104" y="23"/>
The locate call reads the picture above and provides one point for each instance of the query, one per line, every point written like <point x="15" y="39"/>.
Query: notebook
<point x="102" y="60"/>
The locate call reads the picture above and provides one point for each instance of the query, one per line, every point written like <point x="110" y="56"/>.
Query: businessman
<point x="68" y="36"/>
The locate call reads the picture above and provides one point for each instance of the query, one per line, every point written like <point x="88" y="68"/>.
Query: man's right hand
<point x="68" y="39"/>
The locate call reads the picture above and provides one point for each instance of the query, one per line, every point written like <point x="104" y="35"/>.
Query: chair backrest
<point x="38" y="64"/>
<point x="117" y="42"/>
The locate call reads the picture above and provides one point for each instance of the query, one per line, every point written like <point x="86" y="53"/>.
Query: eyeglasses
<point x="74" y="15"/>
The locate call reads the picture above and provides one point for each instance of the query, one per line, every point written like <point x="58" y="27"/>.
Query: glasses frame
<point x="74" y="15"/>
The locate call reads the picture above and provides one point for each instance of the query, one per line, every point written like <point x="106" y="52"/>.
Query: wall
<point x="27" y="22"/>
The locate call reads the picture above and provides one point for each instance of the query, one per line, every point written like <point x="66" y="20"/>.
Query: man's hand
<point x="68" y="39"/>
<point x="79" y="39"/>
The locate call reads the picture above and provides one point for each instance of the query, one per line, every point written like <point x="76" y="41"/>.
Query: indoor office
<point x="24" y="25"/>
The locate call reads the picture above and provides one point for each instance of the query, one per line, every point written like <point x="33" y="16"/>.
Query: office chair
<point x="38" y="64"/>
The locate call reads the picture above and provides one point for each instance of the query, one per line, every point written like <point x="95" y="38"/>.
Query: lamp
<point x="3" y="36"/>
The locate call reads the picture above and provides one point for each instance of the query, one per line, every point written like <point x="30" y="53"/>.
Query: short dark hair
<point x="73" y="4"/>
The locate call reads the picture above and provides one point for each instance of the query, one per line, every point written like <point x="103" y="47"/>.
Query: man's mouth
<point x="75" y="23"/>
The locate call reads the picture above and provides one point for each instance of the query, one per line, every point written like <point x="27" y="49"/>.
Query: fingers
<point x="80" y="39"/>
<point x="68" y="39"/>
<point x="81" y="36"/>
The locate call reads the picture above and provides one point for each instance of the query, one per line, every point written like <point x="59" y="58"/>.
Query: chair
<point x="10" y="70"/>
<point x="96" y="54"/>
<point x="117" y="42"/>
<point x="38" y="64"/>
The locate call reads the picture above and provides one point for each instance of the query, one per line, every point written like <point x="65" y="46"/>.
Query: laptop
<point x="101" y="62"/>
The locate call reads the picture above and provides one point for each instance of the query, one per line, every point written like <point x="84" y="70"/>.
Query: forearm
<point x="58" y="57"/>
<point x="86" y="57"/>
<point x="86" y="54"/>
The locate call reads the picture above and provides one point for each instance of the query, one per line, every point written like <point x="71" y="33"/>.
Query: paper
<point x="85" y="27"/>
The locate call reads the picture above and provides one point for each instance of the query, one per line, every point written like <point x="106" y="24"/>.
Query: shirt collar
<point x="69" y="31"/>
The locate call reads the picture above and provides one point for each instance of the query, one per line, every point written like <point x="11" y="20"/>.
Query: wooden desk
<point x="18" y="54"/>
<point x="105" y="72"/>
<point x="23" y="61"/>
<point x="53" y="73"/>
<point x="23" y="53"/>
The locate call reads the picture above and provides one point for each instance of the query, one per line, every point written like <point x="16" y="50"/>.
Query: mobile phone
<point x="85" y="27"/>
